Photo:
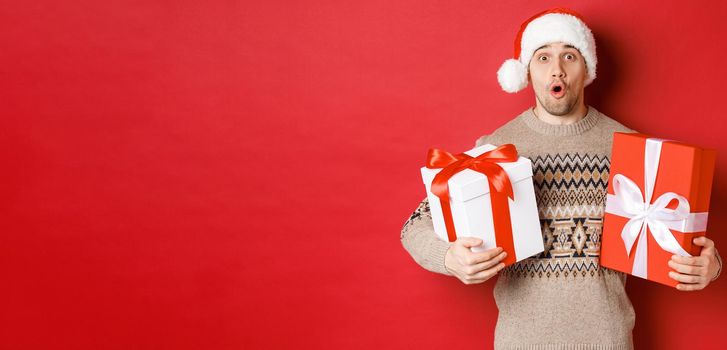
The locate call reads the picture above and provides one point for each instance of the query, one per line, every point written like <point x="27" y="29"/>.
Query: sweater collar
<point x="579" y="127"/>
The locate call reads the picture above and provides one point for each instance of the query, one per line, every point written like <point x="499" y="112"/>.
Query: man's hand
<point x="695" y="272"/>
<point x="472" y="268"/>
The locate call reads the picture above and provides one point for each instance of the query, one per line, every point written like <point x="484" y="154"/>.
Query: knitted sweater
<point x="561" y="298"/>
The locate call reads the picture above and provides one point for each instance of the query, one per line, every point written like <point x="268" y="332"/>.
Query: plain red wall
<point x="226" y="175"/>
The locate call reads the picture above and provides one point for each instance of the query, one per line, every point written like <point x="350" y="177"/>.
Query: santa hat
<point x="554" y="25"/>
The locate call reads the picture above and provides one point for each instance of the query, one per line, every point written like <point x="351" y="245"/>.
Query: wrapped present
<point x="657" y="203"/>
<point x="487" y="193"/>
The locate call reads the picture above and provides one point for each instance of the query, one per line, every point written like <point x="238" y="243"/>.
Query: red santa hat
<point x="554" y="25"/>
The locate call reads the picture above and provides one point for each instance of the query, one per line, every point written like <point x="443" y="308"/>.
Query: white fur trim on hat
<point x="546" y="29"/>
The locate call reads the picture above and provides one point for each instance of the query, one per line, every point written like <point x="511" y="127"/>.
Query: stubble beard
<point x="557" y="107"/>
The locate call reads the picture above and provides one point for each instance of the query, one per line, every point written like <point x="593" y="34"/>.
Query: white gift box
<point x="471" y="208"/>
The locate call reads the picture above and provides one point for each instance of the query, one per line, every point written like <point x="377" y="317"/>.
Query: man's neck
<point x="574" y="116"/>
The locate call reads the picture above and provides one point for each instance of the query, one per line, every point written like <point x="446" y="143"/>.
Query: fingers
<point x="687" y="269"/>
<point x="690" y="287"/>
<point x="488" y="273"/>
<point x="490" y="262"/>
<point x="692" y="272"/>
<point x="468" y="257"/>
<point x="688" y="260"/>
<point x="684" y="278"/>
<point x="703" y="242"/>
<point x="477" y="258"/>
<point x="472" y="268"/>
<point x="469" y="242"/>
<point x="484" y="275"/>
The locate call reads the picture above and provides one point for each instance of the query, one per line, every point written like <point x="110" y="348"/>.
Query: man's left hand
<point x="695" y="272"/>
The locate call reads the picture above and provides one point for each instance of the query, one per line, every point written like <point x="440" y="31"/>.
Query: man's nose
<point x="557" y="70"/>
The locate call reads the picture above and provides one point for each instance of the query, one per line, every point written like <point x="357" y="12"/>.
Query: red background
<point x="225" y="175"/>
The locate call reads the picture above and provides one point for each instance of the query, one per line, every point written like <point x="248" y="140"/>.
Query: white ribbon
<point x="628" y="201"/>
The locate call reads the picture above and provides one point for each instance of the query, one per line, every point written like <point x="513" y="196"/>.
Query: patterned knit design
<point x="421" y="211"/>
<point x="570" y="190"/>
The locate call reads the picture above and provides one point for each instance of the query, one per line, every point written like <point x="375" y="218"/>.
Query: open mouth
<point x="557" y="90"/>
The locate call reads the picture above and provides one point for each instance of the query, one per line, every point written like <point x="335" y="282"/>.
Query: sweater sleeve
<point x="719" y="260"/>
<point x="419" y="239"/>
<point x="481" y="140"/>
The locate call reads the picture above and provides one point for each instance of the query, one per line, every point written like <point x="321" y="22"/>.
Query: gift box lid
<point x="468" y="184"/>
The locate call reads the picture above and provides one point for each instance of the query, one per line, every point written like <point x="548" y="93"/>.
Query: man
<point x="561" y="298"/>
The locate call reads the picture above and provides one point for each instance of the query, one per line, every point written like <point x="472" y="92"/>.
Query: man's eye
<point x="570" y="56"/>
<point x="543" y="58"/>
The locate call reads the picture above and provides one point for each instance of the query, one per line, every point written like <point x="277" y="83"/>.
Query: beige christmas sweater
<point x="561" y="298"/>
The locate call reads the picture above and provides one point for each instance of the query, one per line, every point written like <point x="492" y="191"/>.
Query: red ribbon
<point x="499" y="182"/>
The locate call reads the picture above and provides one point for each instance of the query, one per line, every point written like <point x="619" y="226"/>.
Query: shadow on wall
<point x="609" y="74"/>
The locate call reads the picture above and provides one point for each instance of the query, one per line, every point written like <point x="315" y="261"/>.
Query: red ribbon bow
<point x="499" y="182"/>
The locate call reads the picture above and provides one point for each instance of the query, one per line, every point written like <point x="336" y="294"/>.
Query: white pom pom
<point x="513" y="76"/>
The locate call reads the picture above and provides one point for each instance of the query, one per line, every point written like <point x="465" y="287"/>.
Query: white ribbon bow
<point x="628" y="201"/>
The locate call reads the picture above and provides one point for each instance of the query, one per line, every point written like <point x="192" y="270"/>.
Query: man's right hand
<point x="473" y="268"/>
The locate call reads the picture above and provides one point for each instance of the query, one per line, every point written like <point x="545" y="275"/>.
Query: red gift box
<point x="658" y="199"/>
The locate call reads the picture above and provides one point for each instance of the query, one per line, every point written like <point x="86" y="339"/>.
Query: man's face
<point x="558" y="74"/>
